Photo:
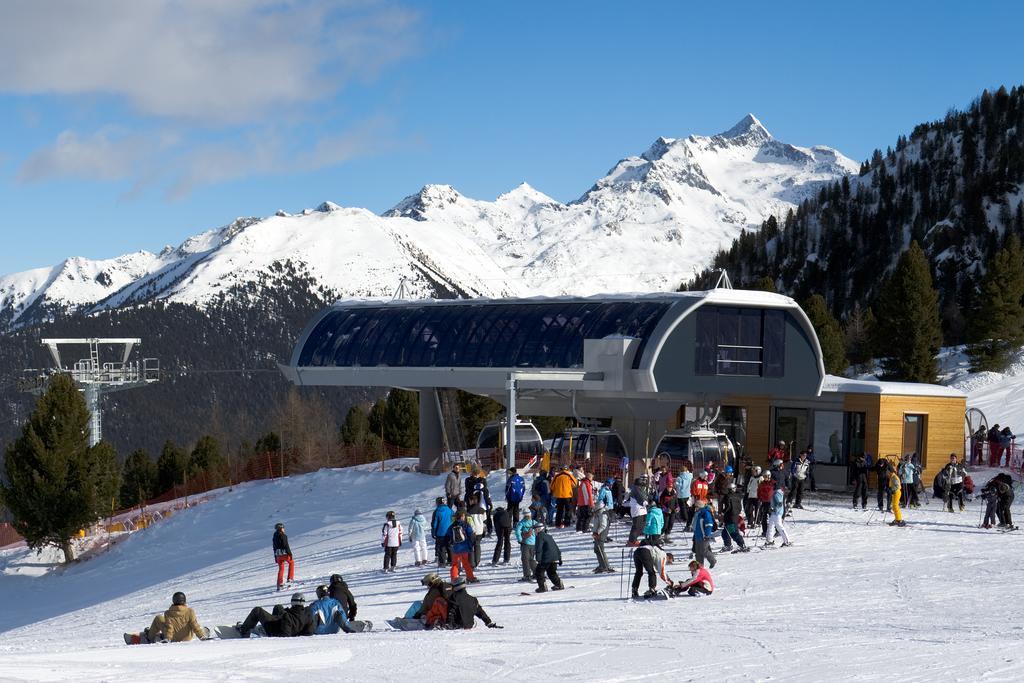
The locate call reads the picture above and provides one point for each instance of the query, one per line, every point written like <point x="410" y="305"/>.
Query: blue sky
<point x="127" y="125"/>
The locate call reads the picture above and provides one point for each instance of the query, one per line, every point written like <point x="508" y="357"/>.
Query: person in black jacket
<point x="548" y="557"/>
<point x="340" y="592"/>
<point x="882" y="472"/>
<point x="477" y="484"/>
<point x="283" y="555"/>
<point x="732" y="505"/>
<point x="463" y="608"/>
<point x="503" y="531"/>
<point x="282" y="623"/>
<point x="859" y="476"/>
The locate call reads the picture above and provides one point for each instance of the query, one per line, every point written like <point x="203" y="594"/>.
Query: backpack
<point x="458" y="533"/>
<point x="437" y="615"/>
<point x="517" y="489"/>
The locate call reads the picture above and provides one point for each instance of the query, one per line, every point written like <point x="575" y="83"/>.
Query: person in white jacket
<point x="418" y="536"/>
<point x="476" y="515"/>
<point x="391" y="541"/>
<point x="750" y="502"/>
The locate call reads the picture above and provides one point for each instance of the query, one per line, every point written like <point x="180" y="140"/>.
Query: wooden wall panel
<point x="944" y="428"/>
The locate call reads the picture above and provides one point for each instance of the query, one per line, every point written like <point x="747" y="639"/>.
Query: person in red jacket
<point x="778" y="453"/>
<point x="700" y="582"/>
<point x="699" y="487"/>
<point x="765" y="490"/>
<point x="584" y="502"/>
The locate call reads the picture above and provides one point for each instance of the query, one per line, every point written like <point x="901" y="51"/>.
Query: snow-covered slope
<point x="647" y="225"/>
<point x="849" y="601"/>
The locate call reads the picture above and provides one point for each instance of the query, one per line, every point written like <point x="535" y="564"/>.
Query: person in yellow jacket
<point x="895" y="486"/>
<point x="177" y="624"/>
<point x="562" y="488"/>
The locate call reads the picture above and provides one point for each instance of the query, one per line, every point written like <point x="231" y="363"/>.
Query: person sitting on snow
<point x="464" y="609"/>
<point x="339" y="591"/>
<point x="282" y="622"/>
<point x="329" y="617"/>
<point x="700" y="582"/>
<point x="176" y="625"/>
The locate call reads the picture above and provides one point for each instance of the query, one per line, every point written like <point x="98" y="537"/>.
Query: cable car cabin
<point x="701" y="447"/>
<point x="595" y="449"/>
<point x="490" y="445"/>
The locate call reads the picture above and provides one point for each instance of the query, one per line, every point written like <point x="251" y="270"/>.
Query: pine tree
<point x="138" y="479"/>
<point x="997" y="327"/>
<point x="402" y="418"/>
<point x="830" y="336"/>
<point x="376" y="417"/>
<point x="170" y="467"/>
<point x="764" y="284"/>
<point x="55" y="483"/>
<point x="105" y="456"/>
<point x="356" y="429"/>
<point x="268" y="443"/>
<point x="908" y="333"/>
<point x="859" y="332"/>
<point x="206" y="460"/>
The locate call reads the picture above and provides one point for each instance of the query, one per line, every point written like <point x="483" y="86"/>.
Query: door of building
<point x="913" y="435"/>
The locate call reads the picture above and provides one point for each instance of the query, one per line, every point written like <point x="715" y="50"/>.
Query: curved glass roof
<point x="522" y="334"/>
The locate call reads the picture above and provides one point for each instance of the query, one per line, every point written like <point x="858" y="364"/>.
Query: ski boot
<point x="650" y="594"/>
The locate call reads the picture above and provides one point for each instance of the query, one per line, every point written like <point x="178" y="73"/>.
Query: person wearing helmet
<point x="778" y="453"/>
<point x="700" y="582"/>
<point x="732" y="504"/>
<point x="175" y="625"/>
<point x="525" y="538"/>
<point x="329" y="617"/>
<point x="549" y="557"/>
<point x="391" y="541"/>
<point x="283" y="622"/>
<point x="338" y="590"/>
<point x="703" y="531"/>
<point x="859" y="467"/>
<point x="283" y="556"/>
<point x="464" y="609"/>
<point x="765" y="491"/>
<point x="599" y="527"/>
<point x="778" y="510"/>
<point x="750" y="502"/>
<point x="799" y="471"/>
<point x="605" y="496"/>
<point x="882" y="477"/>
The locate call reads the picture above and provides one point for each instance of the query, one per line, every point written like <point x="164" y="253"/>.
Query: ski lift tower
<point x="95" y="377"/>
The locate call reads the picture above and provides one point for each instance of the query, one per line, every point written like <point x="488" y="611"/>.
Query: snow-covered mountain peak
<point x="524" y="195"/>
<point x="327" y="207"/>
<point x="749" y="128"/>
<point x="416" y="206"/>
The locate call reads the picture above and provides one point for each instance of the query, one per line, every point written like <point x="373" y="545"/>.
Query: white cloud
<point x="203" y="60"/>
<point x="104" y="155"/>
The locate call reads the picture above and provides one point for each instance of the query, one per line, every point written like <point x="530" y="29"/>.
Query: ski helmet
<point x="336" y="578"/>
<point x="757" y="471"/>
<point x="728" y="469"/>
<point x="459" y="583"/>
<point x="732" y="486"/>
<point x="429" y="579"/>
<point x="702" y="475"/>
<point x="279" y="526"/>
<point x="777" y="463"/>
<point x="298" y="599"/>
<point x="321" y="592"/>
<point x="178" y="598"/>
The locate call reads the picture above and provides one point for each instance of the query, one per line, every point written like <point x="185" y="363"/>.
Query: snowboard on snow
<point x="405" y="624"/>
<point x="226" y="632"/>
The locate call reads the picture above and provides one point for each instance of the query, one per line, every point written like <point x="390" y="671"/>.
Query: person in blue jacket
<point x="440" y="522"/>
<point x="703" y="532"/>
<point x="542" y="488"/>
<point x="329" y="617"/>
<point x="653" y="524"/>
<point x="462" y="541"/>
<point x="527" y="541"/>
<point x="515" y="490"/>
<point x="604" y="496"/>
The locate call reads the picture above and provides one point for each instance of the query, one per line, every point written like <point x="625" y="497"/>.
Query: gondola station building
<point x="647" y="363"/>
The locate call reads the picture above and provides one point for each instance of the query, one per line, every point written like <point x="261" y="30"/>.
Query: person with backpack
<point x="859" y="467"/>
<point x="562" y="487"/>
<point x="437" y="589"/>
<point x="440" y="522"/>
<point x="703" y="531"/>
<point x="452" y="486"/>
<point x="652" y="560"/>
<point x="283" y="556"/>
<point x="700" y="582"/>
<point x="283" y="622"/>
<point x="600" y="526"/>
<point x="329" y="617"/>
<point x="464" y="609"/>
<point x="542" y="489"/>
<point x="391" y="540"/>
<point x="339" y="590"/>
<point x="525" y="537"/>
<point x="584" y="502"/>
<point x="477" y="518"/>
<point x="176" y="625"/>
<point x="637" y="515"/>
<point x="503" y="533"/>
<point x="654" y="522"/>
<point x="515" y="490"/>
<point x="777" y="512"/>
<point x="418" y="536"/>
<point x="460" y="539"/>
<point x="549" y="557"/>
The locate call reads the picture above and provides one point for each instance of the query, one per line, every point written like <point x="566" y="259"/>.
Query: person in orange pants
<point x="283" y="555"/>
<point x="895" y="486"/>
<point x="460" y="540"/>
